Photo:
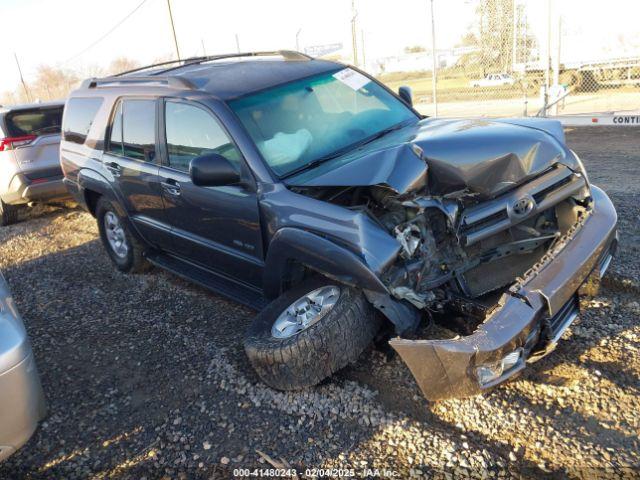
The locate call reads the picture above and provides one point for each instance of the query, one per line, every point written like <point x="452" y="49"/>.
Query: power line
<point x="111" y="30"/>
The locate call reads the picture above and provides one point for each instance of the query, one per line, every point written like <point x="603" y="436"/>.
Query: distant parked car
<point x="29" y="157"/>
<point x="494" y="80"/>
<point x="21" y="398"/>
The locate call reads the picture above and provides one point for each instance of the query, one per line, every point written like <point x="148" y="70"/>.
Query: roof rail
<point x="289" y="55"/>
<point x="179" y="83"/>
<point x="153" y="65"/>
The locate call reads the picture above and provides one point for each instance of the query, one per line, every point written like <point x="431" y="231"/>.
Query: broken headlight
<point x="490" y="372"/>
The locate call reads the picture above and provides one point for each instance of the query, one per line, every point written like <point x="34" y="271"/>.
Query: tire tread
<point x="317" y="352"/>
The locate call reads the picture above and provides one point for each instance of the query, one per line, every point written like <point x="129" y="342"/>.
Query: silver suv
<point x="29" y="157"/>
<point x="22" y="403"/>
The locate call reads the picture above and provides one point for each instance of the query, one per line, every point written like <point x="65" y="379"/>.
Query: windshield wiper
<point x="314" y="163"/>
<point x="382" y="133"/>
<point x="53" y="128"/>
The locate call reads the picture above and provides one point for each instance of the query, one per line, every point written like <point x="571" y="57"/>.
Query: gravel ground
<point x="145" y="374"/>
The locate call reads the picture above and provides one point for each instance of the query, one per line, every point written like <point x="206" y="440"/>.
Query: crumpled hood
<point x="483" y="156"/>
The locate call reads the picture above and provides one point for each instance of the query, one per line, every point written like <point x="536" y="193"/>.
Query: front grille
<point x="547" y="190"/>
<point x="541" y="195"/>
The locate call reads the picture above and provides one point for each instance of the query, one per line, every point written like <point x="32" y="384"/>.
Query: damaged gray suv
<point x="309" y="191"/>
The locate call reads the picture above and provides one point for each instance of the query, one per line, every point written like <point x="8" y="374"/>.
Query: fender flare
<point x="319" y="254"/>
<point x="89" y="179"/>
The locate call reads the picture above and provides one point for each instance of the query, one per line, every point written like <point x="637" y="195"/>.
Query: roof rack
<point x="289" y="55"/>
<point x="179" y="83"/>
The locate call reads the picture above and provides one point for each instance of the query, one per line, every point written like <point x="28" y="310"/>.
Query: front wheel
<point x="310" y="332"/>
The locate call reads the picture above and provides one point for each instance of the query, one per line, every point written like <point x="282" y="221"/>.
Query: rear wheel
<point x="123" y="248"/>
<point x="8" y="214"/>
<point x="310" y="332"/>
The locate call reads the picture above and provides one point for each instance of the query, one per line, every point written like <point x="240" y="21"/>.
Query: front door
<point x="130" y="158"/>
<point x="216" y="227"/>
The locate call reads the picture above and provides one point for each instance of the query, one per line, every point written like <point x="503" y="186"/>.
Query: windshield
<point x="314" y="118"/>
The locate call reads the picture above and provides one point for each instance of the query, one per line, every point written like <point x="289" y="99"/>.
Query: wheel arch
<point x="93" y="186"/>
<point x="294" y="248"/>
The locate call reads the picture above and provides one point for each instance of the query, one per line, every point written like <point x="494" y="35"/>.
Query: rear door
<point x="131" y="162"/>
<point x="216" y="227"/>
<point x="40" y="158"/>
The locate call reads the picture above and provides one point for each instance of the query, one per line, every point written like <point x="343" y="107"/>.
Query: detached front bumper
<point x="526" y="325"/>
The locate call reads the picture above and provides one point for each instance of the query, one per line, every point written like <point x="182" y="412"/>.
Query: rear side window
<point x="78" y="118"/>
<point x="34" y="121"/>
<point x="133" y="131"/>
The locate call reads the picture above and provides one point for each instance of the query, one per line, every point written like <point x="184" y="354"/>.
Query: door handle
<point x="114" y="168"/>
<point x="171" y="187"/>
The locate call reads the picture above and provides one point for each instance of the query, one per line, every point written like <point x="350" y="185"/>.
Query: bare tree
<point x="53" y="83"/>
<point x="121" y="64"/>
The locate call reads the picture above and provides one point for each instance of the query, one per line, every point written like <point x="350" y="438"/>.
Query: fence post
<point x="547" y="62"/>
<point x="556" y="65"/>
<point x="434" y="73"/>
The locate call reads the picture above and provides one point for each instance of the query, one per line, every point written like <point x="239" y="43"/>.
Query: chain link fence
<point x="528" y="57"/>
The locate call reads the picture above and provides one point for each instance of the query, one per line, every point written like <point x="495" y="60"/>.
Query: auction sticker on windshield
<point x="351" y="78"/>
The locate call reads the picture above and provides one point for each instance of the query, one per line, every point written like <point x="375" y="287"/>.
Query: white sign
<point x="320" y="50"/>
<point x="351" y="78"/>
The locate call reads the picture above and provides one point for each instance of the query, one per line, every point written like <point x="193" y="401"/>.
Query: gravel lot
<point x="145" y="374"/>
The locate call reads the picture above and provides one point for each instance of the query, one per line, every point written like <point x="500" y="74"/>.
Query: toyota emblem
<point x="523" y="206"/>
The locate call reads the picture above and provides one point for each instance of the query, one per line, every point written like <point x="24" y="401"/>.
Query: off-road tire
<point x="8" y="214"/>
<point x="134" y="262"/>
<point x="307" y="358"/>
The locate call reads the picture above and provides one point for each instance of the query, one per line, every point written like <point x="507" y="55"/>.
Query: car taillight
<point x="10" y="143"/>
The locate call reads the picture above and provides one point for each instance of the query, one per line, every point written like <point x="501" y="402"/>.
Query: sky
<point x="58" y="32"/>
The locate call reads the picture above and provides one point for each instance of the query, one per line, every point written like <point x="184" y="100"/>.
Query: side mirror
<point x="212" y="170"/>
<point x="405" y="94"/>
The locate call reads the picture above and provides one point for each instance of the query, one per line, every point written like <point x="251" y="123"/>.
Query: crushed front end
<point x="502" y="273"/>
<point x="558" y="242"/>
<point x="497" y="231"/>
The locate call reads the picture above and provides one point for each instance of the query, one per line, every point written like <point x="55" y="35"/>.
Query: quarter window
<point x="133" y="130"/>
<point x="78" y="118"/>
<point x="192" y="132"/>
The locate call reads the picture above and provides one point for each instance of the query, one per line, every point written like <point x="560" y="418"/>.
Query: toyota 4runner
<point x="309" y="191"/>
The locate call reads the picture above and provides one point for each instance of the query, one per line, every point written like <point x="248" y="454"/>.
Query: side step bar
<point x="248" y="296"/>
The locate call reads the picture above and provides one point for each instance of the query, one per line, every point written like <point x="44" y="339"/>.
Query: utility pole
<point x="434" y="76"/>
<point x="354" y="40"/>
<point x="515" y="37"/>
<point x="237" y="43"/>
<point x="24" y="84"/>
<point x="297" y="39"/>
<point x="364" y="59"/>
<point x="204" y="50"/>
<point x="173" y="28"/>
